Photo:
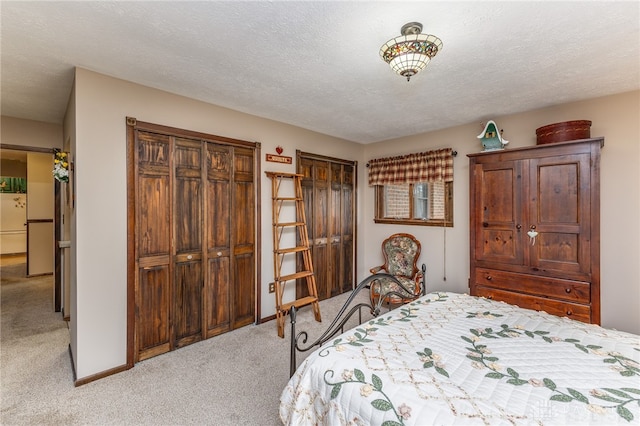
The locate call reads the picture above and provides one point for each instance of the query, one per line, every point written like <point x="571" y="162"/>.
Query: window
<point x="421" y="203"/>
<point x="415" y="190"/>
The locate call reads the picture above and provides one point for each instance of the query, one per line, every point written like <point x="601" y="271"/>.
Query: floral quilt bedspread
<point x="456" y="359"/>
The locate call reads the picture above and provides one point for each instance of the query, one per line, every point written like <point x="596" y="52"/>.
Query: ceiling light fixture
<point x="411" y="52"/>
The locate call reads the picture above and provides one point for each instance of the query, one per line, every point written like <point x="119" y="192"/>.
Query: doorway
<point x="30" y="213"/>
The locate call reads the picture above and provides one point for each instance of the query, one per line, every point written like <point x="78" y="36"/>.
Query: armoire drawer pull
<point x="489" y="277"/>
<point x="569" y="313"/>
<point x="189" y="257"/>
<point x="567" y="290"/>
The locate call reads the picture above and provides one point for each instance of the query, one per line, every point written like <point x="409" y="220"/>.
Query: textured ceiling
<point x="315" y="64"/>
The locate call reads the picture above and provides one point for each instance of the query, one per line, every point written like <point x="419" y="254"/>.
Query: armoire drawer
<point x="550" y="306"/>
<point x="571" y="291"/>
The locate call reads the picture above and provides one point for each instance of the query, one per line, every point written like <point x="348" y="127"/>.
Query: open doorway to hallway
<point x="28" y="218"/>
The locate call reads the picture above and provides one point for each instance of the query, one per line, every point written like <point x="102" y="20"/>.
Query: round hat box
<point x="562" y="132"/>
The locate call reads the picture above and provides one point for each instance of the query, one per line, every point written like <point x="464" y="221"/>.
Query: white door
<point x="40" y="213"/>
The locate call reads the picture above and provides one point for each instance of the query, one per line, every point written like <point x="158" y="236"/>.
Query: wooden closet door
<point x="329" y="192"/>
<point x="153" y="244"/>
<point x="192" y="225"/>
<point x="244" y="231"/>
<point x="188" y="234"/>
<point x="347" y="209"/>
<point x="218" y="241"/>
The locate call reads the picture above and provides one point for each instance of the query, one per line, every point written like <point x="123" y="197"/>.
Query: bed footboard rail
<point x="298" y="342"/>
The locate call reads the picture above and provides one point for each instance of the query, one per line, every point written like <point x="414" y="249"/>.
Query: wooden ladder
<point x="281" y="250"/>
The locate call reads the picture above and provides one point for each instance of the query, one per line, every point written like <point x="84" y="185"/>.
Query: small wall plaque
<point x="283" y="159"/>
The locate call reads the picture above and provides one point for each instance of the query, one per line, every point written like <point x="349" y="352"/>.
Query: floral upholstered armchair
<point x="401" y="252"/>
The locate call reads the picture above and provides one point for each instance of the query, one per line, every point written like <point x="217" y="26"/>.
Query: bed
<point x="450" y="358"/>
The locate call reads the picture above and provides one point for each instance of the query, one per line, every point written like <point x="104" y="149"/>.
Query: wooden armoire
<point x="329" y="193"/>
<point x="192" y="235"/>
<point x="535" y="227"/>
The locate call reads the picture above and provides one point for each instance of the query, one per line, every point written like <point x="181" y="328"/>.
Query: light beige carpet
<point x="232" y="379"/>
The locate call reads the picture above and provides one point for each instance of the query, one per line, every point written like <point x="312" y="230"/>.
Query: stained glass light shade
<point x="410" y="53"/>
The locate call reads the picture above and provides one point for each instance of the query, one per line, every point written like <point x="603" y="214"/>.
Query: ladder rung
<point x="299" y="303"/>
<point x="291" y="250"/>
<point x="287" y="199"/>
<point x="301" y="274"/>
<point x="284" y="174"/>
<point x="289" y="224"/>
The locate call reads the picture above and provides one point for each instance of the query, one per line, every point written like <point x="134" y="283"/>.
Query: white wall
<point x="13" y="216"/>
<point x="614" y="117"/>
<point x="30" y="133"/>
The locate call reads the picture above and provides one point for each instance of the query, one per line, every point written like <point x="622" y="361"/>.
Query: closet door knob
<point x="189" y="257"/>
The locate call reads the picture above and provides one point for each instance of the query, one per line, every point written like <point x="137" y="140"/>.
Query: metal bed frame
<point x="298" y="341"/>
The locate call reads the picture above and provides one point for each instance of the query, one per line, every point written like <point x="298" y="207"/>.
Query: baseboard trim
<point x="101" y="375"/>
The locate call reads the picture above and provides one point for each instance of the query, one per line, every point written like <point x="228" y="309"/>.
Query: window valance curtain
<point x="430" y="166"/>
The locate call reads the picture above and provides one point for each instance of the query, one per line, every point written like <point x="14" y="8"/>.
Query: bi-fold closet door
<point x="195" y="256"/>
<point x="329" y="192"/>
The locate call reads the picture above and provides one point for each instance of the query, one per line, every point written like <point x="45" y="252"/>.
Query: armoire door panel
<point x="559" y="212"/>
<point x="187" y="305"/>
<point x="499" y="194"/>
<point x="557" y="193"/>
<point x="498" y="198"/>
<point x="558" y="247"/>
<point x="153" y="322"/>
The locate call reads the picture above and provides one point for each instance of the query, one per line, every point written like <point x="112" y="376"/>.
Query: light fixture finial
<point x="410" y="53"/>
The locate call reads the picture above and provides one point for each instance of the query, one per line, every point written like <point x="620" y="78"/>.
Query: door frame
<point x="57" y="261"/>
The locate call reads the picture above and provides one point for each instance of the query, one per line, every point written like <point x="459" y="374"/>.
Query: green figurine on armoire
<point x="491" y="138"/>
